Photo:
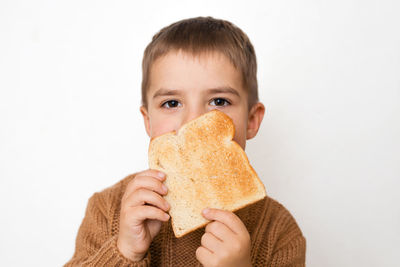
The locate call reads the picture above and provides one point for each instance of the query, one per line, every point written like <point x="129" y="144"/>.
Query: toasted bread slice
<point x="204" y="168"/>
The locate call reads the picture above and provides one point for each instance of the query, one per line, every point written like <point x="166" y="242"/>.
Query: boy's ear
<point x="146" y="119"/>
<point x="255" y="118"/>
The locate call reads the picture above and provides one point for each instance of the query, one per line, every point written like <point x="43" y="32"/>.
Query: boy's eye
<point x="170" y="104"/>
<point x="220" y="102"/>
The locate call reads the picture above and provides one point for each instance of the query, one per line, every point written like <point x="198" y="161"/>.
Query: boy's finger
<point x="147" y="182"/>
<point x="142" y="196"/>
<point x="211" y="242"/>
<point x="219" y="230"/>
<point x="203" y="255"/>
<point x="228" y="218"/>
<point x="153" y="173"/>
<point x="140" y="213"/>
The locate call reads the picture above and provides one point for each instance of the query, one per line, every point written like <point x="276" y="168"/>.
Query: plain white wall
<point x="328" y="148"/>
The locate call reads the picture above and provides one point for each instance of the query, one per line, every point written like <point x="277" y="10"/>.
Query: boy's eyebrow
<point x="165" y="92"/>
<point x="223" y="89"/>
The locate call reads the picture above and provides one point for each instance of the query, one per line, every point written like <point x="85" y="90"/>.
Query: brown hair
<point x="205" y="34"/>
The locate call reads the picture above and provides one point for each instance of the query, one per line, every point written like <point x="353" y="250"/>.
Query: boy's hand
<point x="142" y="211"/>
<point x="226" y="241"/>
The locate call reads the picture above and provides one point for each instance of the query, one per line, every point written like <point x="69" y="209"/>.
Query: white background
<point x="328" y="148"/>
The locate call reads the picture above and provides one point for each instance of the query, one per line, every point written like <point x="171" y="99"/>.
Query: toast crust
<point x="204" y="168"/>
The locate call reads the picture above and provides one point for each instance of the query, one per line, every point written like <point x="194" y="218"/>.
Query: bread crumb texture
<point x="204" y="168"/>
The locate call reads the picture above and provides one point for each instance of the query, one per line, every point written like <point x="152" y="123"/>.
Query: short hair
<point x="204" y="34"/>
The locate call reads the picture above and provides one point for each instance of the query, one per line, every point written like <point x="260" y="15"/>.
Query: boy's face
<point x="183" y="87"/>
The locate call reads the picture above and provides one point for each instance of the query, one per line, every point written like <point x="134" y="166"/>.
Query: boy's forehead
<point x="200" y="58"/>
<point x="209" y="67"/>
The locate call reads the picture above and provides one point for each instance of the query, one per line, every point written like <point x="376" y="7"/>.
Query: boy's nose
<point x="192" y="114"/>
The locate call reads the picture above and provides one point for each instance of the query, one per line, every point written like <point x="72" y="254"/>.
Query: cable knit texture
<point x="276" y="239"/>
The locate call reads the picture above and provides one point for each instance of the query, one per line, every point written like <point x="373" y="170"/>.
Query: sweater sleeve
<point x="95" y="246"/>
<point x="290" y="246"/>
<point x="291" y="254"/>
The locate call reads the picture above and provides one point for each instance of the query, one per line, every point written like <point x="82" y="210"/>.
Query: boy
<point x="189" y="68"/>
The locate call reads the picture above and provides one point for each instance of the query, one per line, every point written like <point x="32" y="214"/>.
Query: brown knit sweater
<point x="276" y="240"/>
